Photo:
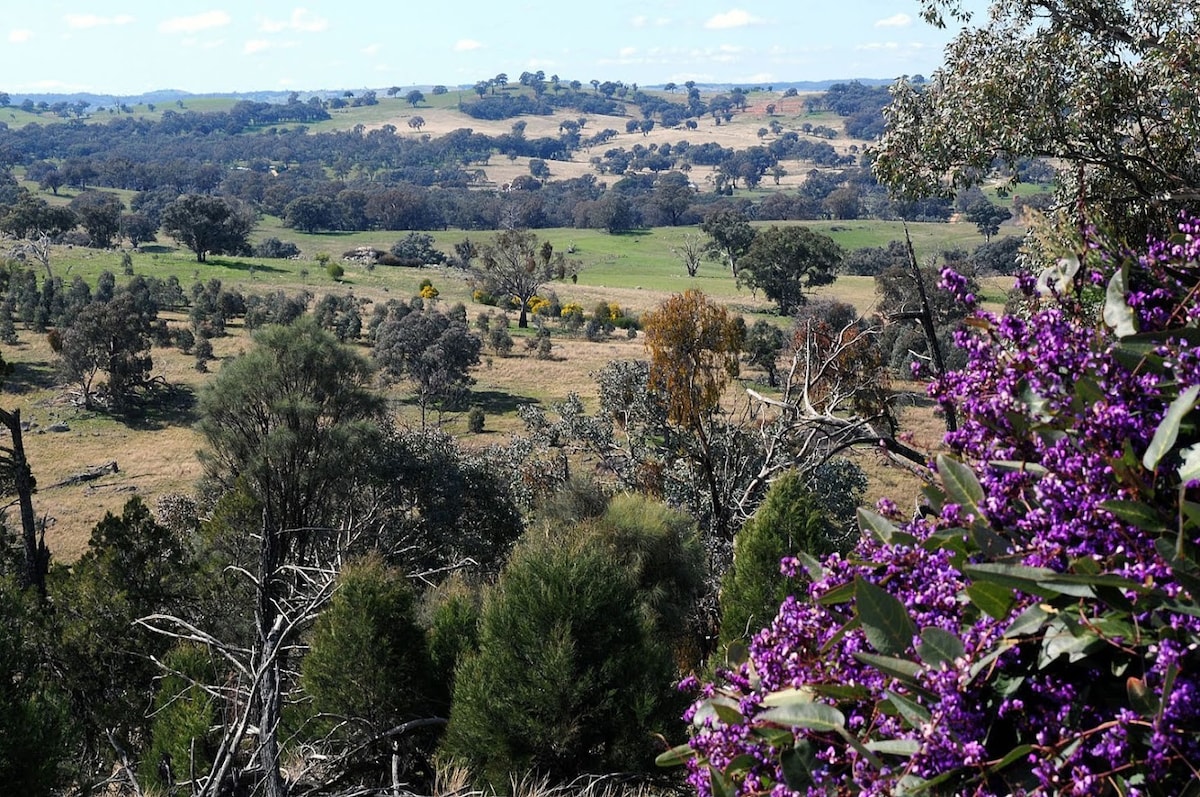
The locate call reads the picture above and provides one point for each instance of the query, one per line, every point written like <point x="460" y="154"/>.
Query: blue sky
<point x="133" y="46"/>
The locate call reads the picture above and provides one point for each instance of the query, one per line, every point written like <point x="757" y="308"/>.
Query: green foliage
<point x="293" y="418"/>
<point x="791" y="520"/>
<point x="35" y="721"/>
<point x="451" y="611"/>
<point x="184" y="730"/>
<point x="786" y="262"/>
<point x="475" y="419"/>
<point x="206" y="224"/>
<point x="569" y="677"/>
<point x="367" y="669"/>
<point x="133" y="568"/>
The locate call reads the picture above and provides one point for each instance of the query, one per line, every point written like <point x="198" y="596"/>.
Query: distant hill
<point x="162" y="96"/>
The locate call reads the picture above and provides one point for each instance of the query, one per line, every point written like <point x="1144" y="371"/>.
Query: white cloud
<point x="628" y="52"/>
<point x="83" y="21"/>
<point x="896" y="21"/>
<point x="19" y="36"/>
<point x="734" y="18"/>
<point x="301" y="20"/>
<point x="879" y="46"/>
<point x="372" y="49"/>
<point x="195" y="23"/>
<point x="466" y="45"/>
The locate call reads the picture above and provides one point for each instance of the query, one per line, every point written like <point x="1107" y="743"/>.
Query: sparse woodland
<point x="537" y="435"/>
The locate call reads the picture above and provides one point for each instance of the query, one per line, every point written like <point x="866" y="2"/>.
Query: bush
<point x="185" y="731"/>
<point x="568" y="678"/>
<point x="475" y="420"/>
<point x="335" y="270"/>
<point x="500" y="341"/>
<point x="275" y="249"/>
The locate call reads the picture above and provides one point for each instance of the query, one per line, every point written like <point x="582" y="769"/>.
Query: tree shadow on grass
<point x="239" y="266"/>
<point x="497" y="402"/>
<point x="29" y="377"/>
<point x="164" y="405"/>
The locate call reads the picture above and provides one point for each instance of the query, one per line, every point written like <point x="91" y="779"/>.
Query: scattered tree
<point x="785" y="262"/>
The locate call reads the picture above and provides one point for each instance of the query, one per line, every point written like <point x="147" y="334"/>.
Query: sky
<point x="127" y="47"/>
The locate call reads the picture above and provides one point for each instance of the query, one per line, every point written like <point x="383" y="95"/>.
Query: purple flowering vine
<point x="1037" y="630"/>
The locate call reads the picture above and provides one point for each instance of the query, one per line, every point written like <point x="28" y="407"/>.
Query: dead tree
<point x="14" y="466"/>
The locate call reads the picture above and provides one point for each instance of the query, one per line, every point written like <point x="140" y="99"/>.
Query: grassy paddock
<point x="155" y="454"/>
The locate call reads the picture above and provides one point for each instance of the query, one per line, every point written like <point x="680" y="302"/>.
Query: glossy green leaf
<point x="1168" y="428"/>
<point x="903" y="670"/>
<point x="913" y="712"/>
<point x="884" y="619"/>
<point x="994" y="600"/>
<point x="876" y="525"/>
<point x="900" y="747"/>
<point x="787" y="697"/>
<point x="811" y="716"/>
<point x="938" y="646"/>
<point x="676" y="756"/>
<point x="1117" y="312"/>
<point x="962" y="486"/>
<point x="798" y="764"/>
<point x="1135" y="513"/>
<point x="1028" y="622"/>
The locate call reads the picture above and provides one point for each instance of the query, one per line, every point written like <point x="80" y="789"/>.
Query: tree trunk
<point x="37" y="556"/>
<point x="270" y="694"/>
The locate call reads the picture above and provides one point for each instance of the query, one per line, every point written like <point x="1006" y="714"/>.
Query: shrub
<point x="335" y="270"/>
<point x="275" y="249"/>
<point x="568" y="677"/>
<point x="475" y="420"/>
<point x="481" y="296"/>
<point x="500" y="341"/>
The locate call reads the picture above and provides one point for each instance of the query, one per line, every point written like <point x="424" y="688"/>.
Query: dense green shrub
<point x="789" y="521"/>
<point x="569" y="676"/>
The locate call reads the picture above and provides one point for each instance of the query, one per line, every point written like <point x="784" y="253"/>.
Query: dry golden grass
<point x="739" y="133"/>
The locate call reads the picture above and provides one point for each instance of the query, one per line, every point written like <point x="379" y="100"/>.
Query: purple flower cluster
<point x="1037" y="633"/>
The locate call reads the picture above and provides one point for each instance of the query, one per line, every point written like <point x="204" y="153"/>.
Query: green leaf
<point x="913" y="712"/>
<point x="721" y="785"/>
<point x="1117" y="312"/>
<point x="1011" y="757"/>
<point x="1030" y="621"/>
<point x="903" y="670"/>
<point x="1033" y="580"/>
<point x="1063" y="637"/>
<point x="1140" y="698"/>
<point x="884" y="619"/>
<point x="938" y="646"/>
<point x="816" y="571"/>
<point x="900" y="747"/>
<point x="787" y="697"/>
<point x="842" y="593"/>
<point x="1168" y="685"/>
<point x="811" y="716"/>
<point x="717" y="708"/>
<point x="1189" y="469"/>
<point x="1168" y="428"/>
<point x="1135" y="514"/>
<point x="994" y="600"/>
<point x="798" y="764"/>
<point x="676" y="756"/>
<point x="1031" y="468"/>
<point x="962" y="487"/>
<point x="875" y="525"/>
